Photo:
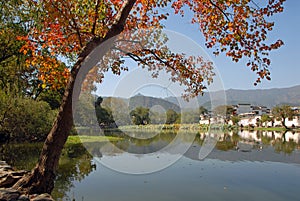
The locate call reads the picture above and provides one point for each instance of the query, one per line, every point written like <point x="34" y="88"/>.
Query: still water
<point x="242" y="166"/>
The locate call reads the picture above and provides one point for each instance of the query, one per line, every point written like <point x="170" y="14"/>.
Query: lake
<point x="241" y="166"/>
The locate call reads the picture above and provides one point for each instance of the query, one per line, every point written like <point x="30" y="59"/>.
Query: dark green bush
<point x="23" y="119"/>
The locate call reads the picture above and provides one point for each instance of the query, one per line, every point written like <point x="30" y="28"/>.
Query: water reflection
<point x="78" y="161"/>
<point x="74" y="165"/>
<point x="245" y="140"/>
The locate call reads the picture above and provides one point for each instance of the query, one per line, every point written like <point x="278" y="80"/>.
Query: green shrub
<point x="23" y="119"/>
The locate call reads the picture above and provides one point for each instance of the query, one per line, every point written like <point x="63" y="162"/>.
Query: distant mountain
<point x="266" y="97"/>
<point x="149" y="102"/>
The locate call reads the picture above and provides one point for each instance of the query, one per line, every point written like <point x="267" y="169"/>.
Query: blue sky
<point x="285" y="68"/>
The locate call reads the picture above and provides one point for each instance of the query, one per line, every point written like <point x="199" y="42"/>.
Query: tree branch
<point x="215" y="5"/>
<point x="116" y="28"/>
<point x="120" y="19"/>
<point x="228" y="20"/>
<point x="72" y="22"/>
<point x="96" y="17"/>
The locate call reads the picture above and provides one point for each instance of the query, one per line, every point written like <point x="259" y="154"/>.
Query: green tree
<point x="104" y="116"/>
<point x="23" y="119"/>
<point x="140" y="116"/>
<point x="52" y="97"/>
<point x="12" y="61"/>
<point x="119" y="110"/>
<point x="85" y="111"/>
<point x="265" y="119"/>
<point x="282" y="113"/>
<point x="16" y="20"/>
<point x="190" y="116"/>
<point x="202" y="110"/>
<point x="224" y="110"/>
<point x="235" y="119"/>
<point x="172" y="117"/>
<point x="157" y="117"/>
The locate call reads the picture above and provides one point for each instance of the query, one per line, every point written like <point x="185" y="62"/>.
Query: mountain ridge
<point x="259" y="97"/>
<point x="266" y="97"/>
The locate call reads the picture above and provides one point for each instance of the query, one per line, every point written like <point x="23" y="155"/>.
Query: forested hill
<point x="149" y="102"/>
<point x="266" y="97"/>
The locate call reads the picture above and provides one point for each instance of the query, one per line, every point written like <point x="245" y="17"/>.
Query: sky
<point x="285" y="68"/>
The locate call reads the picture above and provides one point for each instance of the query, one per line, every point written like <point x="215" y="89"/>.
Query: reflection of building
<point x="253" y="146"/>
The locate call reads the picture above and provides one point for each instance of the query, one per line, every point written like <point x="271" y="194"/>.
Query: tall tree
<point x="282" y="113"/>
<point x="265" y="119"/>
<point x="172" y="117"/>
<point x="74" y="28"/>
<point x="140" y="116"/>
<point x="235" y="119"/>
<point x="202" y="110"/>
<point x="12" y="68"/>
<point x="224" y="111"/>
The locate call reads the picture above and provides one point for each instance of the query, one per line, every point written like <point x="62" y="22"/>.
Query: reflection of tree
<point x="143" y="144"/>
<point x="226" y="143"/>
<point x="20" y="156"/>
<point x="285" y="147"/>
<point x="281" y="145"/>
<point x="75" y="163"/>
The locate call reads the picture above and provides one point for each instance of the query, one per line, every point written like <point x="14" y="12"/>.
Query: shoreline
<point x="8" y="177"/>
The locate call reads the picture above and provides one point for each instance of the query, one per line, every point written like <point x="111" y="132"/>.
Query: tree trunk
<point x="283" y="123"/>
<point x="41" y="179"/>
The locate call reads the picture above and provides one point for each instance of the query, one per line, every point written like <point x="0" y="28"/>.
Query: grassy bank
<point x="151" y="127"/>
<point x="75" y="139"/>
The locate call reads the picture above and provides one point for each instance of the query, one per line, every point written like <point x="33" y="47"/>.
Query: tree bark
<point x="41" y="179"/>
<point x="283" y="123"/>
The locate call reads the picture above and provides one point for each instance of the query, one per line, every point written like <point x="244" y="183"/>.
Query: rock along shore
<point x="8" y="177"/>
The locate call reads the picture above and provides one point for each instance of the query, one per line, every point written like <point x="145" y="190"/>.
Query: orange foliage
<point x="237" y="27"/>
